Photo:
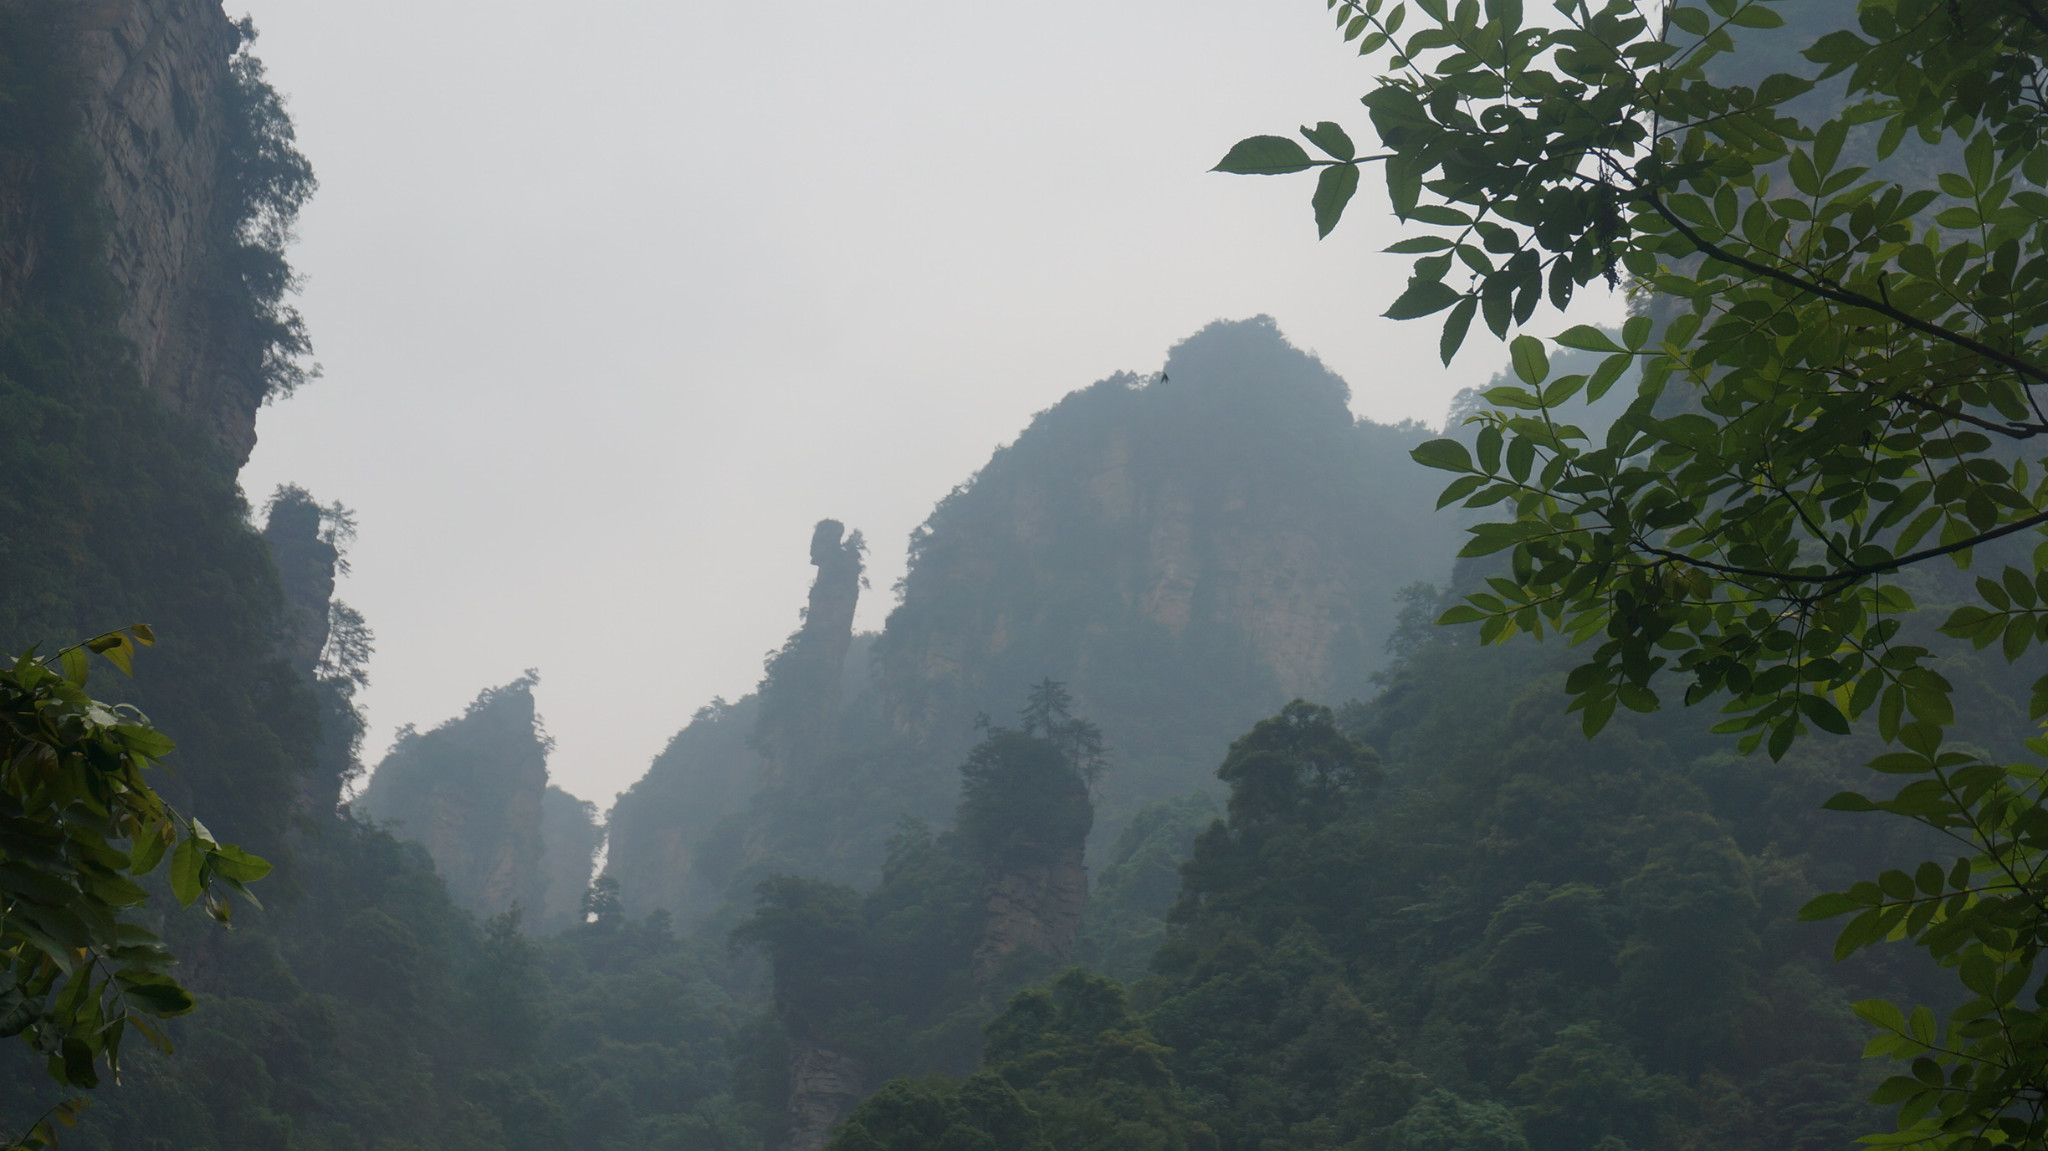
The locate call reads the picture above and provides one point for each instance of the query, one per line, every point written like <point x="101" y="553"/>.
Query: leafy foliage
<point x="1067" y="1066"/>
<point x="79" y="823"/>
<point x="888" y="978"/>
<point x="1854" y="335"/>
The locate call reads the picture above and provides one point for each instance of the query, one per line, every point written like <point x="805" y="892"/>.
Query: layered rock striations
<point x="472" y="792"/>
<point x="199" y="183"/>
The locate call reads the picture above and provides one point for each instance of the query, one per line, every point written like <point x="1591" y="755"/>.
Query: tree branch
<point x="1841" y="295"/>
<point x="1855" y="571"/>
<point x="2013" y="431"/>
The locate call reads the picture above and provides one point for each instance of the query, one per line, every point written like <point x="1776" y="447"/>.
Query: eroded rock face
<point x="154" y="81"/>
<point x="1033" y="906"/>
<point x="471" y="792"/>
<point x="198" y="184"/>
<point x="824" y="1088"/>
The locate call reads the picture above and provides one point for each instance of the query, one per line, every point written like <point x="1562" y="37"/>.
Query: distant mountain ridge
<point x="1186" y="551"/>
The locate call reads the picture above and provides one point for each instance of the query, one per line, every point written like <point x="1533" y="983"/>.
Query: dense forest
<point x="1157" y="815"/>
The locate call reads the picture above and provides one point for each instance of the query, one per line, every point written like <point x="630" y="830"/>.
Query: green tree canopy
<point x="1836" y="225"/>
<point x="79" y="824"/>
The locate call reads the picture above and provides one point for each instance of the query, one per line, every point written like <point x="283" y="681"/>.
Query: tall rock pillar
<point x="800" y="700"/>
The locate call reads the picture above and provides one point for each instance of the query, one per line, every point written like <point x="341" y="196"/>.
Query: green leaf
<point x="1531" y="362"/>
<point x="1822" y="712"/>
<point x="1458" y="489"/>
<point x="1423" y="297"/>
<point x="78" y="1064"/>
<point x="1264" y="156"/>
<point x="117" y="649"/>
<point x="1636" y="332"/>
<point x="1332" y="139"/>
<point x="17" y="1011"/>
<point x="156" y="994"/>
<point x="1690" y="20"/>
<point x="1334" y="189"/>
<point x="1455" y="326"/>
<point x="186" y="864"/>
<point x="1587" y="338"/>
<point x="76" y="667"/>
<point x="1444" y="455"/>
<point x="1830" y="905"/>
<point x="234" y="863"/>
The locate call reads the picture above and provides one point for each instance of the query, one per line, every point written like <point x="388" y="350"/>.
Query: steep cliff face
<point x="472" y="792"/>
<point x="199" y="182"/>
<point x="661" y="829"/>
<point x="1187" y="552"/>
<point x="570" y="837"/>
<point x="125" y="124"/>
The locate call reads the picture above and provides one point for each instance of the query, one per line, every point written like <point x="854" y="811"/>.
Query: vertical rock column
<point x="800" y="700"/>
<point x="1026" y="814"/>
<point x="305" y="570"/>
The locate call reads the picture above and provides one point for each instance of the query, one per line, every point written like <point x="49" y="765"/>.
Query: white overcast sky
<point x="615" y="299"/>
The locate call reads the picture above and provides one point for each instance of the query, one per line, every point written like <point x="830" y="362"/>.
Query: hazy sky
<point x="615" y="299"/>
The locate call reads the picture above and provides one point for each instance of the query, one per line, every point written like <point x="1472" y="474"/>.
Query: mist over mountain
<point x="1157" y="814"/>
